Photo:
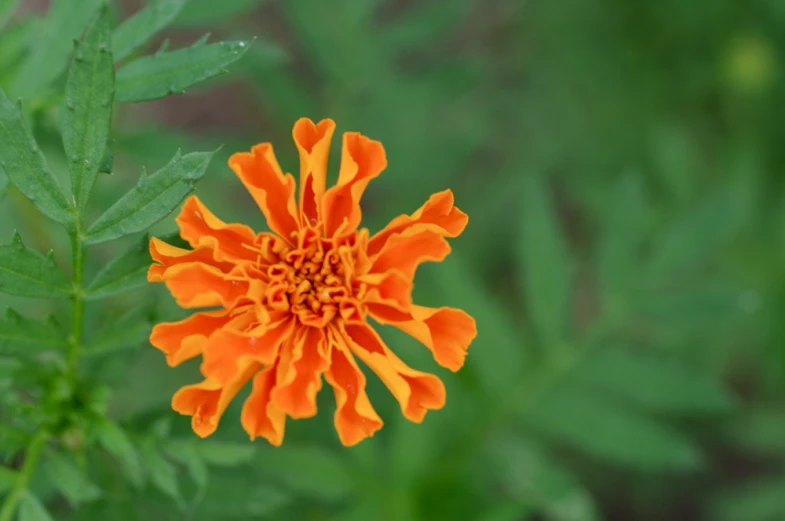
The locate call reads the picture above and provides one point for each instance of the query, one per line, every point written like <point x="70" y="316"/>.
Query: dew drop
<point x="74" y="158"/>
<point x="241" y="44"/>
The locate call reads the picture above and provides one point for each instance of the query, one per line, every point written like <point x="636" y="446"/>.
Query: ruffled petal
<point x="165" y="256"/>
<point x="296" y="393"/>
<point x="416" y="391"/>
<point x="271" y="189"/>
<point x="438" y="213"/>
<point x="355" y="418"/>
<point x="362" y="159"/>
<point x="227" y="349"/>
<point x="183" y="340"/>
<point x="405" y="251"/>
<point x="260" y="417"/>
<point x="202" y="229"/>
<point x="207" y="401"/>
<point x="446" y="332"/>
<point x="198" y="285"/>
<point x="392" y="287"/>
<point x="313" y="145"/>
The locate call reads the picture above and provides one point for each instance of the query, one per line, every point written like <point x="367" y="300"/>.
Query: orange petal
<point x="447" y="332"/>
<point x="185" y="339"/>
<point x="166" y="256"/>
<point x="271" y="189"/>
<point x="313" y="144"/>
<point x="207" y="401"/>
<point x="227" y="348"/>
<point x="197" y="285"/>
<point x="416" y="391"/>
<point x="438" y="213"/>
<point x="392" y="287"/>
<point x="355" y="418"/>
<point x="406" y="251"/>
<point x="296" y="393"/>
<point x="202" y="229"/>
<point x="260" y="417"/>
<point x="362" y="159"/>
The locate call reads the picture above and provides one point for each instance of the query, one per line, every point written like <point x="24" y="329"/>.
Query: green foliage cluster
<point x="625" y="256"/>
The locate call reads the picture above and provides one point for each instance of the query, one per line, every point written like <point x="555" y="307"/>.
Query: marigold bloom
<point x="294" y="301"/>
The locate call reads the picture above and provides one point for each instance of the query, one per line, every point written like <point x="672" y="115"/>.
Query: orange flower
<point x="293" y="303"/>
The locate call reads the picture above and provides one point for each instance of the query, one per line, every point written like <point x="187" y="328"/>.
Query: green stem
<point x="77" y="319"/>
<point x="31" y="458"/>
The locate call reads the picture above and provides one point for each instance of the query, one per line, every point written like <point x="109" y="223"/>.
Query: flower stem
<point x="77" y="318"/>
<point x="31" y="458"/>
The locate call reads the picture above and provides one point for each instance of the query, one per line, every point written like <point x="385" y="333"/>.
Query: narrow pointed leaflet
<point x="137" y="30"/>
<point x="27" y="273"/>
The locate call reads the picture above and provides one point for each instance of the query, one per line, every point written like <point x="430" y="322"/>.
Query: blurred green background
<point x="621" y="164"/>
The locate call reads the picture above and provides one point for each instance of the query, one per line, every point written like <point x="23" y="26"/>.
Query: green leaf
<point x="114" y="439"/>
<point x="533" y="479"/>
<point x="760" y="500"/>
<point x="186" y="453"/>
<point x="760" y="431"/>
<point x="153" y="198"/>
<point x="65" y="22"/>
<point x="165" y="73"/>
<point x="198" y="13"/>
<point x="130" y="330"/>
<point x="231" y="495"/>
<point x="7" y="8"/>
<point x="70" y="480"/>
<point x="20" y="335"/>
<point x="31" y="509"/>
<point x="225" y="454"/>
<point x="27" y="273"/>
<point x="162" y="473"/>
<point x="3" y="185"/>
<point x="653" y="384"/>
<point x="137" y="30"/>
<point x="126" y="272"/>
<point x="611" y="432"/>
<point x="422" y="25"/>
<point x="507" y="511"/>
<point x="545" y="263"/>
<point x="89" y="92"/>
<point x="25" y="166"/>
<point x="309" y="470"/>
<point x="8" y="479"/>
<point x="14" y="42"/>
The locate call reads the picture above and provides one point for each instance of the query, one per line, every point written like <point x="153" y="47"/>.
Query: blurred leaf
<point x="26" y="272"/>
<point x="137" y="30"/>
<point x="162" y="473"/>
<point x="20" y="335"/>
<point x="130" y="330"/>
<point x="423" y="24"/>
<point x="309" y="470"/>
<point x="545" y="263"/>
<point x="507" y="511"/>
<point x="185" y="452"/>
<point x="25" y="166"/>
<point x="31" y="509"/>
<point x="198" y="13"/>
<point x="88" y="107"/>
<point x="653" y="384"/>
<point x="13" y="45"/>
<point x="152" y="199"/>
<point x="7" y="8"/>
<point x="225" y="454"/>
<point x="127" y="271"/>
<point x="8" y="366"/>
<point x="64" y="23"/>
<point x="234" y="496"/>
<point x="8" y="478"/>
<point x="760" y="500"/>
<point x="165" y="73"/>
<point x="529" y="476"/>
<point x="611" y="432"/>
<point x="70" y="480"/>
<point x="760" y="431"/>
<point x="3" y="185"/>
<point x="114" y="439"/>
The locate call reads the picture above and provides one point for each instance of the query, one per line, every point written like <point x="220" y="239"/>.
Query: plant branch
<point x="77" y="318"/>
<point x="31" y="459"/>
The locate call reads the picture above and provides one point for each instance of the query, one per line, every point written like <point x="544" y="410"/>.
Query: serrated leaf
<point x="137" y="30"/>
<point x="65" y="22"/>
<point x="532" y="478"/>
<point x="610" y="432"/>
<point x="225" y="454"/>
<point x="20" y="335"/>
<point x="89" y="92"/>
<point x="114" y="439"/>
<point x="130" y="330"/>
<point x="162" y="74"/>
<point x="152" y="199"/>
<point x="760" y="500"/>
<point x="70" y="480"/>
<point x="126" y="272"/>
<point x="107" y="162"/>
<point x="25" y="272"/>
<point x="186" y="453"/>
<point x="545" y="263"/>
<point x="309" y="470"/>
<point x="31" y="509"/>
<point x="162" y="473"/>
<point x="653" y="384"/>
<point x="198" y="13"/>
<point x="25" y="166"/>
<point x="7" y="8"/>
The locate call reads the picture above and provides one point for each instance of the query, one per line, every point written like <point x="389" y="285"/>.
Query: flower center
<point x="315" y="280"/>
